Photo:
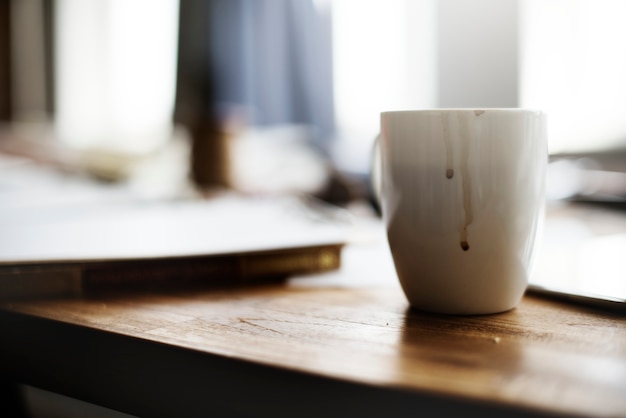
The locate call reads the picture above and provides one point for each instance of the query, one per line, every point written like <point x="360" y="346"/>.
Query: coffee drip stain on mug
<point x="448" y="145"/>
<point x="467" y="199"/>
<point x="466" y="186"/>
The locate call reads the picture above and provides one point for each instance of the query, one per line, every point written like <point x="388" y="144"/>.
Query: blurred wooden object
<point x="195" y="98"/>
<point x="27" y="60"/>
<point x="311" y="351"/>
<point x="210" y="156"/>
<point x="5" y="61"/>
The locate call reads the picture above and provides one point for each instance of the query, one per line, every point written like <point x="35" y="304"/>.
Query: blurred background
<point x="111" y="101"/>
<point x="283" y="96"/>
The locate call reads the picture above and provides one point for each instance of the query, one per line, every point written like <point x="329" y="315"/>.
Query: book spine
<point x="217" y="270"/>
<point x="36" y="282"/>
<point x="323" y="259"/>
<point x="77" y="280"/>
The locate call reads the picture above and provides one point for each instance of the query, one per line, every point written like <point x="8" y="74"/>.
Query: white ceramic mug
<point x="462" y="200"/>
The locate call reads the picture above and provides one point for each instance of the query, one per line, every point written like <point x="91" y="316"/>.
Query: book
<point x="222" y="241"/>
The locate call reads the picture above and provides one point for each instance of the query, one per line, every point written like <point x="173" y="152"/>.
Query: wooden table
<point x="298" y="350"/>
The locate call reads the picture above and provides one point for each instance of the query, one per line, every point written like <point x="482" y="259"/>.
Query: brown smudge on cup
<point x="478" y="112"/>
<point x="464" y="243"/>
<point x="448" y="145"/>
<point x="466" y="184"/>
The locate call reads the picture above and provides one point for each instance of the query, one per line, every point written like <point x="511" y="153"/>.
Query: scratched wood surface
<point x="543" y="355"/>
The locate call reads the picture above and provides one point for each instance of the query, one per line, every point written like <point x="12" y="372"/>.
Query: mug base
<point x="458" y="312"/>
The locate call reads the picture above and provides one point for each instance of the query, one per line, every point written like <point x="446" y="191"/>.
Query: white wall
<point x="477" y="53"/>
<point x="574" y="68"/>
<point x="384" y="57"/>
<point x="115" y="72"/>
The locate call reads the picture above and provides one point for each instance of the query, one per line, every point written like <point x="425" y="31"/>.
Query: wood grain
<point x="543" y="356"/>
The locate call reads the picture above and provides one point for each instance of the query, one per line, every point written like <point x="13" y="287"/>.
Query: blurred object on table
<point x="582" y="251"/>
<point x="39" y="169"/>
<point x="591" y="176"/>
<point x="66" y="231"/>
<point x="228" y="240"/>
<point x="276" y="160"/>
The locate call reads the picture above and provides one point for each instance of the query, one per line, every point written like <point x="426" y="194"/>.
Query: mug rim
<point x="466" y="109"/>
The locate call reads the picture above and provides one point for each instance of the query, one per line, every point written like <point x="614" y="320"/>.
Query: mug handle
<point x="375" y="180"/>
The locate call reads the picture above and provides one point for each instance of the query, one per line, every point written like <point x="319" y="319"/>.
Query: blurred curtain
<point x="271" y="59"/>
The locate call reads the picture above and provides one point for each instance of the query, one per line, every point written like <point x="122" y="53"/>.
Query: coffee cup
<point x="462" y="200"/>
